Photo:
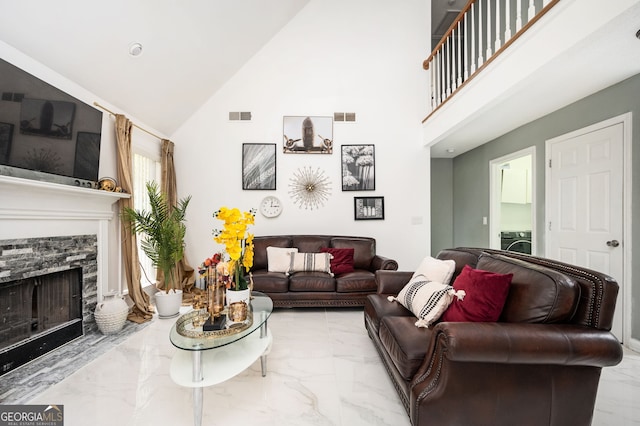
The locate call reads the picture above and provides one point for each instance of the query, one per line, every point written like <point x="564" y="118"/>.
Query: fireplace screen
<point x="39" y="305"/>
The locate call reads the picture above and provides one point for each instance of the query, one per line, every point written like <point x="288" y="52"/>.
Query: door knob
<point x="613" y="243"/>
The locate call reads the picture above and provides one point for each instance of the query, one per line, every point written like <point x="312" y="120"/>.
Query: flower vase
<point x="111" y="313"/>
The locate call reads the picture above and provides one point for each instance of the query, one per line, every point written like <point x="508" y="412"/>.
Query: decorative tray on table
<point x="185" y="325"/>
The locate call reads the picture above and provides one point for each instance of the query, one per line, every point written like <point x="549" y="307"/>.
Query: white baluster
<point x="498" y="44"/>
<point x="459" y="55"/>
<point x="439" y="77"/>
<point x="507" y="21"/>
<point x="443" y="88"/>
<point x="453" y="60"/>
<point x="432" y="76"/>
<point x="545" y="3"/>
<point x="531" y="12"/>
<point x="448" y="62"/>
<point x="489" y="52"/>
<point x="518" y="15"/>
<point x="480" y="60"/>
<point x="473" y="41"/>
<point x="466" y="45"/>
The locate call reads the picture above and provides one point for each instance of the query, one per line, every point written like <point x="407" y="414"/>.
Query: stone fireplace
<point x="48" y="291"/>
<point x="58" y="251"/>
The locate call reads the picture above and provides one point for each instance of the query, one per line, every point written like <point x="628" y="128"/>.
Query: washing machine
<point x="519" y="241"/>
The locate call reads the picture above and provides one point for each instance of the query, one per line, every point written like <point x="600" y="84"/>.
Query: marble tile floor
<point x="322" y="370"/>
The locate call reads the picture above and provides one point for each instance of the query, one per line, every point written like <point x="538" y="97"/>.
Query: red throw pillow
<point x="486" y="293"/>
<point x="342" y="261"/>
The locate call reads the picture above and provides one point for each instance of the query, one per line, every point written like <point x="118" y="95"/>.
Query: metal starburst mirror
<point x="309" y="188"/>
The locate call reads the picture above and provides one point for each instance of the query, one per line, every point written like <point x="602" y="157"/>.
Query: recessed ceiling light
<point x="451" y="150"/>
<point x="135" y="49"/>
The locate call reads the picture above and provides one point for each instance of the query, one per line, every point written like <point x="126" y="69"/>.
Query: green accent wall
<point x="441" y="204"/>
<point x="470" y="174"/>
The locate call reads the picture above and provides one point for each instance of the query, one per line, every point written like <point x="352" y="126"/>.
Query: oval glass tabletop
<point x="261" y="308"/>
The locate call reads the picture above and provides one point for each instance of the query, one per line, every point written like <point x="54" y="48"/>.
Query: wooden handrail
<point x="487" y="61"/>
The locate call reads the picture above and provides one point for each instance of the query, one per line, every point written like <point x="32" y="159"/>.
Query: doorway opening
<point x="512" y="202"/>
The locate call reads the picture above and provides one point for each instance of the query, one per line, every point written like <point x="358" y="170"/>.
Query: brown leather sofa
<point x="319" y="289"/>
<point x="539" y="364"/>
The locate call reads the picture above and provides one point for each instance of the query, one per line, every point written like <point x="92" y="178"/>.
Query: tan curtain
<point x="142" y="310"/>
<point x="186" y="276"/>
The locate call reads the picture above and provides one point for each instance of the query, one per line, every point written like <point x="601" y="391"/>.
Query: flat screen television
<point x="45" y="133"/>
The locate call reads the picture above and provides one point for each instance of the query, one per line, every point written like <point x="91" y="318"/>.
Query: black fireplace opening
<point x="37" y="315"/>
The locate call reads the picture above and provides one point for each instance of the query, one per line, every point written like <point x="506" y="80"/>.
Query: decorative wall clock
<point x="270" y="206"/>
<point x="309" y="188"/>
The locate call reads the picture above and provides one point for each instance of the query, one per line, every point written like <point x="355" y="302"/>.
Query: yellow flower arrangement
<point x="237" y="240"/>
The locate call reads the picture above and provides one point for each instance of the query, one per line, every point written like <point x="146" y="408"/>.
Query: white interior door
<point x="585" y="204"/>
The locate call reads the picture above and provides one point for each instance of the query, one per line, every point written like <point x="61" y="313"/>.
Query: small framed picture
<point x="358" y="168"/>
<point x="307" y="135"/>
<point x="368" y="208"/>
<point x="259" y="166"/>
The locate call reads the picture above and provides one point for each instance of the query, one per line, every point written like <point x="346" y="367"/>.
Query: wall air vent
<point x="344" y="116"/>
<point x="240" y="116"/>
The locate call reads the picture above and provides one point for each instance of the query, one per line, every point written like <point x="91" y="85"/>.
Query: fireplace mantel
<point x="32" y="199"/>
<point x="31" y="208"/>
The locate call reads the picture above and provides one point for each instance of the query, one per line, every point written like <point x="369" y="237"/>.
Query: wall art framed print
<point x="368" y="208"/>
<point x="259" y="166"/>
<point x="307" y="135"/>
<point x="358" y="168"/>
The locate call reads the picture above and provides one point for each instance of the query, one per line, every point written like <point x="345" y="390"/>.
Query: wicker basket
<point x="111" y="314"/>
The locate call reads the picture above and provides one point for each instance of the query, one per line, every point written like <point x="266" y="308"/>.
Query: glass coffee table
<point x="208" y="358"/>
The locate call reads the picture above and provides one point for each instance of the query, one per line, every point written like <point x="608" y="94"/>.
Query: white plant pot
<point x="238" y="296"/>
<point x="168" y="304"/>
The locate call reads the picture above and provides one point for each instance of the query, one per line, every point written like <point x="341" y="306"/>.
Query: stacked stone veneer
<point x="32" y="257"/>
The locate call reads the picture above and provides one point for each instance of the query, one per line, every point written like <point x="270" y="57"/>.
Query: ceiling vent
<point x="240" y="116"/>
<point x="344" y="116"/>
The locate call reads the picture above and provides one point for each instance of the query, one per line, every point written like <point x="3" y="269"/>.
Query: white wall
<point x="357" y="56"/>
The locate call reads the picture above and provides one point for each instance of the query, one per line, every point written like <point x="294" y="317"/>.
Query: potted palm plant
<point x="162" y="232"/>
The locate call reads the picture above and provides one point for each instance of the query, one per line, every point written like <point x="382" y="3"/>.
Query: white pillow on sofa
<point x="426" y="299"/>
<point x="310" y="262"/>
<point x="436" y="270"/>
<point x="279" y="258"/>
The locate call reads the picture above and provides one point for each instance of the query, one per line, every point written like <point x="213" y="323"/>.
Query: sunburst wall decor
<point x="309" y="188"/>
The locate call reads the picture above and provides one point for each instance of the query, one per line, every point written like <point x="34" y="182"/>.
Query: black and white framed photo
<point x="259" y="166"/>
<point x="358" y="168"/>
<point x="307" y="135"/>
<point x="368" y="208"/>
<point x="6" y="135"/>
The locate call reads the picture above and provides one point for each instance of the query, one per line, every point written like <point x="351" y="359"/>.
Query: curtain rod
<point x="134" y="124"/>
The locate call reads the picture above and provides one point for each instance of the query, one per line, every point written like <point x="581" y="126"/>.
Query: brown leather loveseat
<point x="539" y="364"/>
<point x="319" y="289"/>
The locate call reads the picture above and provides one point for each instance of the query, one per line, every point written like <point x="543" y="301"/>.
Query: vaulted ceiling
<point x="189" y="48"/>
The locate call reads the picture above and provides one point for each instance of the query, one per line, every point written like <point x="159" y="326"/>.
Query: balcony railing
<point x="481" y="32"/>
